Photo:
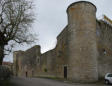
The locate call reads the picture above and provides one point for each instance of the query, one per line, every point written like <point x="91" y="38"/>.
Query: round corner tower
<point x="36" y="49"/>
<point x="82" y="45"/>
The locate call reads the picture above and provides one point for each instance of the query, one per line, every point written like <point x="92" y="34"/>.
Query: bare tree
<point x="16" y="17"/>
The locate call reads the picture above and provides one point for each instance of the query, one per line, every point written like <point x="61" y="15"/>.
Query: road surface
<point x="45" y="82"/>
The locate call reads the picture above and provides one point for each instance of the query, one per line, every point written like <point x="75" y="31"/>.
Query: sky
<point x="51" y="18"/>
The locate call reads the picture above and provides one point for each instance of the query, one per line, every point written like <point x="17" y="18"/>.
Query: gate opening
<point x="65" y="72"/>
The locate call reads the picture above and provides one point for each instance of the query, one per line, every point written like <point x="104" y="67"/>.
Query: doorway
<point x="65" y="72"/>
<point x="32" y="73"/>
<point x="26" y="74"/>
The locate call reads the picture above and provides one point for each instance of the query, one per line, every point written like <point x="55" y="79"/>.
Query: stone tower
<point x="82" y="47"/>
<point x="38" y="53"/>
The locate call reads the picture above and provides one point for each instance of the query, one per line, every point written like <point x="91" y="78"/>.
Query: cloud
<point x="51" y="18"/>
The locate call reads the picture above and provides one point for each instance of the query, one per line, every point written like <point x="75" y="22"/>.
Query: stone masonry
<point x="83" y="52"/>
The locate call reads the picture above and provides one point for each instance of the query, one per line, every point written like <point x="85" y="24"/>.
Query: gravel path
<point x="45" y="82"/>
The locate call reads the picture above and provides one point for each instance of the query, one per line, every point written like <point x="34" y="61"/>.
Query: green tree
<point x="16" y="18"/>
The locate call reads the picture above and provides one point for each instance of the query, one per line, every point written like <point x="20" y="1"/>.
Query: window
<point x="97" y="32"/>
<point x="110" y="75"/>
<point x="38" y="60"/>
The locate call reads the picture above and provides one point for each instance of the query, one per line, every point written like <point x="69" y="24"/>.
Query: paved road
<point x="45" y="82"/>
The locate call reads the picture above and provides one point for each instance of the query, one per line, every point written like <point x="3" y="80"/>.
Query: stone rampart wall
<point x="104" y="34"/>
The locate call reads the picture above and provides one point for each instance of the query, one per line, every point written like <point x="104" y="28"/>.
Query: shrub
<point x="5" y="73"/>
<point x="45" y="70"/>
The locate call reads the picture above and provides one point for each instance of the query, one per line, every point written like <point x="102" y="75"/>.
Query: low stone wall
<point x="5" y="73"/>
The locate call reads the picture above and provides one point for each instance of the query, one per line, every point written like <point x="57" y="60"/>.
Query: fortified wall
<point x="104" y="35"/>
<point x="83" y="50"/>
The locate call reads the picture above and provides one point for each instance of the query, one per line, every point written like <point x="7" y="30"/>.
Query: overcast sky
<point x="51" y="18"/>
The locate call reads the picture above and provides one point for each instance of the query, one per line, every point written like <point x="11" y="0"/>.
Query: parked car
<point x="108" y="78"/>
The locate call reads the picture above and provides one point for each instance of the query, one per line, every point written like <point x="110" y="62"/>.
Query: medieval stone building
<point x="83" y="52"/>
